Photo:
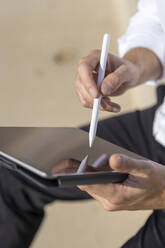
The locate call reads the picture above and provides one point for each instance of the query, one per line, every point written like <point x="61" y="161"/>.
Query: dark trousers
<point x="21" y="206"/>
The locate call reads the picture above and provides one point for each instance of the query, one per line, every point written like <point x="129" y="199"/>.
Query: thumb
<point x="125" y="164"/>
<point x="114" y="80"/>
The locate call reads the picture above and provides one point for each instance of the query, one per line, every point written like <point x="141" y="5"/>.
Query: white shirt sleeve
<point x="145" y="30"/>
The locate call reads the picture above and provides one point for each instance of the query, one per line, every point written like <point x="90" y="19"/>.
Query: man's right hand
<point x="121" y="74"/>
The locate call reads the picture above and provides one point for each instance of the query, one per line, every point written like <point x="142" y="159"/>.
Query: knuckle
<point x="94" y="51"/>
<point x="84" y="103"/>
<point x="81" y="66"/>
<point x="82" y="60"/>
<point x="83" y="188"/>
<point x="114" y="80"/>
<point x="90" y="102"/>
<point x="109" y="207"/>
<point x="88" y="86"/>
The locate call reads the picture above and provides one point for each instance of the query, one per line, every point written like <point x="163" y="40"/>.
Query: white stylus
<point x="96" y="103"/>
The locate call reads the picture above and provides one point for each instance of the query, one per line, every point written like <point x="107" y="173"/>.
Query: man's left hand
<point x="143" y="189"/>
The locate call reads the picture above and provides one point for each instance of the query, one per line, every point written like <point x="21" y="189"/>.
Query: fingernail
<point x="92" y="92"/>
<point x="106" y="89"/>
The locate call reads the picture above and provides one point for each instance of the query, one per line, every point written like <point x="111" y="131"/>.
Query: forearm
<point x="147" y="63"/>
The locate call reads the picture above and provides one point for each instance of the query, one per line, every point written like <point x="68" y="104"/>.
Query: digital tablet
<point x="50" y="157"/>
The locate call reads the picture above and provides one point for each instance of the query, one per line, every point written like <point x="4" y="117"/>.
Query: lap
<point x="132" y="131"/>
<point x="151" y="235"/>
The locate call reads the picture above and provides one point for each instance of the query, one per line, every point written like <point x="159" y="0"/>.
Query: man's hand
<point x="137" y="66"/>
<point x="143" y="189"/>
<point x="120" y="75"/>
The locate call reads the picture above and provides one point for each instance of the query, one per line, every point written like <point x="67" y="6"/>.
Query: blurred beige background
<point x="40" y="44"/>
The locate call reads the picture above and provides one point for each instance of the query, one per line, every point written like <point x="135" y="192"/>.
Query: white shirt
<point x="147" y="29"/>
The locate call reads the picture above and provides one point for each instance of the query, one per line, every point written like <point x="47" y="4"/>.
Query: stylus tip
<point x="83" y="165"/>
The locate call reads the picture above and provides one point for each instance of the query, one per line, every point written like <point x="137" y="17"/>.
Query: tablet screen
<point x="48" y="149"/>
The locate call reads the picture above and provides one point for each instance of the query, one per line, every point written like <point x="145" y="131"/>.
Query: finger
<point x="66" y="166"/>
<point x="110" y="106"/>
<point x="114" y="80"/>
<point x="93" y="188"/>
<point x="123" y="163"/>
<point x="101" y="161"/>
<point x="85" y="70"/>
<point x="102" y="190"/>
<point x="106" y="194"/>
<point x="85" y="103"/>
<point x="93" y="58"/>
<point x="84" y="96"/>
<point x="106" y="204"/>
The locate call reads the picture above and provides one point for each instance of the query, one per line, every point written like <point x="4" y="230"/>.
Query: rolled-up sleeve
<point x="145" y="30"/>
